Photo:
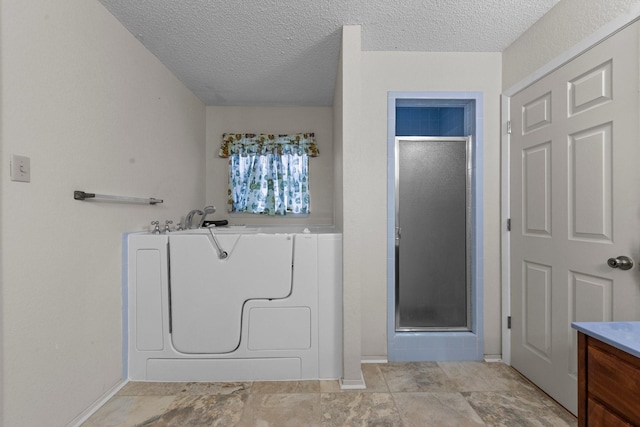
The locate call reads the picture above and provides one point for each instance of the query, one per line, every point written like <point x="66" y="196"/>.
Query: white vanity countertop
<point x="624" y="336"/>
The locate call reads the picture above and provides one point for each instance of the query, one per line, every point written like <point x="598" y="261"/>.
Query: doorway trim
<point x="439" y="346"/>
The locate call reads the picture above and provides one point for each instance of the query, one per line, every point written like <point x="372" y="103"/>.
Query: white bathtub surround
<point x="270" y="310"/>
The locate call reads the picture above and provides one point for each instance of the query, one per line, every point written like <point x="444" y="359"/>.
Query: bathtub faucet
<point x="188" y="221"/>
<point x="189" y="218"/>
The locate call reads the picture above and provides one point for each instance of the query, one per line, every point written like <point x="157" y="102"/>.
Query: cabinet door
<point x="613" y="380"/>
<point x="599" y="416"/>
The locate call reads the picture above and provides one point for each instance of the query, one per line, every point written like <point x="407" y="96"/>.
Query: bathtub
<point x="270" y="308"/>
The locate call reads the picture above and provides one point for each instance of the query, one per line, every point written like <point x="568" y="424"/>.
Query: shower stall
<point x="435" y="226"/>
<point x="432" y="244"/>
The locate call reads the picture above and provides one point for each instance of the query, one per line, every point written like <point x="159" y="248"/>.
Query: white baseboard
<point x="374" y="359"/>
<point x="84" y="416"/>
<point x="353" y="384"/>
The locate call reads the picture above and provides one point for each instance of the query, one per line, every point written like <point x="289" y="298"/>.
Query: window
<point x="269" y="174"/>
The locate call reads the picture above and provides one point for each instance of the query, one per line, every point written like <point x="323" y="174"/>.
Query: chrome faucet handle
<point x="179" y="227"/>
<point x="166" y="225"/>
<point x="156" y="229"/>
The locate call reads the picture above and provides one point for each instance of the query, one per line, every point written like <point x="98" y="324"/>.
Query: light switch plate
<point x="20" y="168"/>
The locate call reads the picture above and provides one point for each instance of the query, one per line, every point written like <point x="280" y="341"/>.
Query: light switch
<point x="20" y="168"/>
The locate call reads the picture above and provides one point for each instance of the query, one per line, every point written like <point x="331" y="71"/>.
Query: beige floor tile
<point x="139" y="388"/>
<point x="207" y="388"/>
<point x="397" y="394"/>
<point x="330" y="386"/>
<point x="281" y="410"/>
<point x="373" y="378"/>
<point x="359" y="409"/>
<point x="483" y="376"/>
<point x="525" y="408"/>
<point x="274" y="387"/>
<point x="128" y="411"/>
<point x="417" y="376"/>
<point x="439" y="409"/>
<point x="223" y="410"/>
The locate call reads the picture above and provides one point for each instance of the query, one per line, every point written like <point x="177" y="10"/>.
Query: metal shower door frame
<point x="468" y="214"/>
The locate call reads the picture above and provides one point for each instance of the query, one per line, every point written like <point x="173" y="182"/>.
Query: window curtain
<point x="268" y="174"/>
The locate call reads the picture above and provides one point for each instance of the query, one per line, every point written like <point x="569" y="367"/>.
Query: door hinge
<point x="509" y="322"/>
<point x="508" y="224"/>
<point x="509" y="127"/>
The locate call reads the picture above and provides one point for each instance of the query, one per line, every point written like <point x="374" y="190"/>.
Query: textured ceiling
<point x="285" y="52"/>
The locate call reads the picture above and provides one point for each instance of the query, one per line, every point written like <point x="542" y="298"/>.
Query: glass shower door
<point x="433" y="211"/>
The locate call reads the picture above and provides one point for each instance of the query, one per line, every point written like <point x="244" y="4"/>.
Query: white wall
<point x="95" y="111"/>
<point x="272" y="120"/>
<point x="564" y="26"/>
<point x="3" y="171"/>
<point x="353" y="184"/>
<point x="416" y="71"/>
<point x="338" y="170"/>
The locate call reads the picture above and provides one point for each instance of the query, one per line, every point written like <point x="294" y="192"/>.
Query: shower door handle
<point x="398" y="233"/>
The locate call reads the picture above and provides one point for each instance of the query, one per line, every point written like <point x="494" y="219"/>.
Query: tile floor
<point x="398" y="394"/>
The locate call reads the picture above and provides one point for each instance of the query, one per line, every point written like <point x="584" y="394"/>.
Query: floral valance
<point x="249" y="143"/>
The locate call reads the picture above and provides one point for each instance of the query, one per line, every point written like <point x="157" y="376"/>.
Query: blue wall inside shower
<point x="430" y="121"/>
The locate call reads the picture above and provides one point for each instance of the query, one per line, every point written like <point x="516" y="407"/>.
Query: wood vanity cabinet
<point x="608" y="385"/>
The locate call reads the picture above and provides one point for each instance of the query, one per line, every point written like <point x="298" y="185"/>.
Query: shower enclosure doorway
<point x="435" y="226"/>
<point x="433" y="233"/>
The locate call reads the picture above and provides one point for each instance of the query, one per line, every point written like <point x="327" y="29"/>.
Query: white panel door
<point x="575" y="203"/>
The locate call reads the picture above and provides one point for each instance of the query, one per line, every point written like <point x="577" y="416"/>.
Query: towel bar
<point x="81" y="195"/>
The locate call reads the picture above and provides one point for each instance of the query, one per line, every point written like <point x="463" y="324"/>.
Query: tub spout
<point x="189" y="218"/>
